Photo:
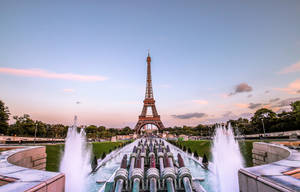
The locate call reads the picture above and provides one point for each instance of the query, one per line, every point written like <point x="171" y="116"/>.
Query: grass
<point x="204" y="146"/>
<point x="54" y="152"/>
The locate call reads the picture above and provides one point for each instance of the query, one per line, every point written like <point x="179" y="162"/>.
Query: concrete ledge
<point x="21" y="170"/>
<point x="269" y="177"/>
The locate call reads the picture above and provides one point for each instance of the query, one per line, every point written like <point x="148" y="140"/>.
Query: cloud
<point x="241" y="105"/>
<point x="240" y="88"/>
<point x="224" y="95"/>
<point x="274" y="100"/>
<point x="201" y="102"/>
<point x="292" y="88"/>
<point x="250" y="95"/>
<point x="267" y="91"/>
<point x="290" y="69"/>
<point x="286" y="102"/>
<point x="69" y="90"/>
<point x="189" y="115"/>
<point x="50" y="75"/>
<point x="282" y="109"/>
<point x="254" y="105"/>
<point x="229" y="115"/>
<point x="78" y="102"/>
<point x="298" y="91"/>
<point x="223" y="118"/>
<point x="246" y="115"/>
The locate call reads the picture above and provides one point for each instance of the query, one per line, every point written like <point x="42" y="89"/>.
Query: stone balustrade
<point x="273" y="161"/>
<point x="21" y="170"/>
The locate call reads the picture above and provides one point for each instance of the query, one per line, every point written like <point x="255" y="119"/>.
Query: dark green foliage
<point x="4" y="117"/>
<point x="94" y="163"/>
<point x="189" y="150"/>
<point x="196" y="154"/>
<point x="103" y="155"/>
<point x="204" y="159"/>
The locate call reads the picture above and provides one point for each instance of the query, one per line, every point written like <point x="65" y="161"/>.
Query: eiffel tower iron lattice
<point x="149" y="102"/>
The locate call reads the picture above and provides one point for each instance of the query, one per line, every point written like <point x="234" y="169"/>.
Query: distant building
<point x="184" y="137"/>
<point x="113" y="139"/>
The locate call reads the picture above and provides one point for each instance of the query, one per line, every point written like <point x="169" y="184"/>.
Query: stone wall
<point x="273" y="161"/>
<point x="263" y="153"/>
<point x="32" y="158"/>
<point x="22" y="169"/>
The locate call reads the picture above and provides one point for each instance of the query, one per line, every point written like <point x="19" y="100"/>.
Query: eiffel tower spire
<point x="149" y="102"/>
<point x="149" y="91"/>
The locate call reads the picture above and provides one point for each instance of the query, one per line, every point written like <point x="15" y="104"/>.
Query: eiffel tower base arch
<point x="141" y="123"/>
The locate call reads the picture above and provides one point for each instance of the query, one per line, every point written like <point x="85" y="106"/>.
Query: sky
<point x="211" y="60"/>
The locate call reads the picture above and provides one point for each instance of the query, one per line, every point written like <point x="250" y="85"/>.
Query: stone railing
<point x="22" y="170"/>
<point x="34" y="158"/>
<point x="263" y="153"/>
<point x="273" y="160"/>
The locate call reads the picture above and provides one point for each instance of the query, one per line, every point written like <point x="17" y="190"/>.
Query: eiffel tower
<point x="149" y="102"/>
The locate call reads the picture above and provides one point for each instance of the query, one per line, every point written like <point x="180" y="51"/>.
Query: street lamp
<point x="262" y="120"/>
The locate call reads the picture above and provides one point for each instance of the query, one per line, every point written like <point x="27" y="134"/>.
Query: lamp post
<point x="262" y="120"/>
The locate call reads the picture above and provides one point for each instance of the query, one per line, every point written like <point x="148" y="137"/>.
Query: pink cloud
<point x="292" y="88"/>
<point x="224" y="95"/>
<point x="242" y="105"/>
<point x="292" y="68"/>
<point x="201" y="102"/>
<point x="51" y="75"/>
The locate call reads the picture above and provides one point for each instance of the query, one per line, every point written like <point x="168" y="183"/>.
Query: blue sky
<point x="60" y="58"/>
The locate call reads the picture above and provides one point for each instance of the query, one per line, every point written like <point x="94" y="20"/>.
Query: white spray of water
<point x="227" y="159"/>
<point x="76" y="159"/>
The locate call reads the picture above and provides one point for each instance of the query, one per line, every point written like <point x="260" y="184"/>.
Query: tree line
<point x="263" y="118"/>
<point x="25" y="126"/>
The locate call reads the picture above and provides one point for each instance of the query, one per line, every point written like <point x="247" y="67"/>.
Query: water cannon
<point x="184" y="175"/>
<point x="137" y="176"/>
<point x="121" y="176"/>
<point x="153" y="176"/>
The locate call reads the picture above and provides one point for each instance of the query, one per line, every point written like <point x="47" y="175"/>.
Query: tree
<point x="24" y="126"/>
<point x="103" y="155"/>
<point x="296" y="111"/>
<point x="196" y="155"/>
<point x="4" y="117"/>
<point x="91" y="131"/>
<point x="267" y="116"/>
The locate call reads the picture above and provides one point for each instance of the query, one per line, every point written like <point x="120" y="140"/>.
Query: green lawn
<point x="204" y="146"/>
<point x="54" y="152"/>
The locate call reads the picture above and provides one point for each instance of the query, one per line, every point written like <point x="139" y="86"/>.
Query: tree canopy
<point x="4" y="117"/>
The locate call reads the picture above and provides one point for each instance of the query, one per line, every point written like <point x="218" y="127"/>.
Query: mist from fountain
<point x="76" y="159"/>
<point x="227" y="159"/>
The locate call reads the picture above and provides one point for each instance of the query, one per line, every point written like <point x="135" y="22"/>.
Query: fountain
<point x="227" y="159"/>
<point x="150" y="164"/>
<point x="76" y="159"/>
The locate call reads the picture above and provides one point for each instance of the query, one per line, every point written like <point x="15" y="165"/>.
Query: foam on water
<point x="76" y="160"/>
<point x="227" y="159"/>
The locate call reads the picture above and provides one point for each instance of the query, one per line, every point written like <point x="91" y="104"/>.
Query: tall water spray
<point x="76" y="159"/>
<point x="227" y="159"/>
